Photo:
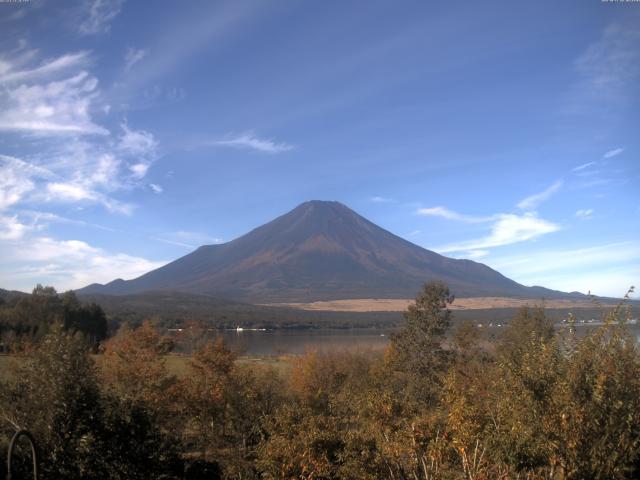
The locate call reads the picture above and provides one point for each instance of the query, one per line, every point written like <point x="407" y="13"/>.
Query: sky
<point x="503" y="132"/>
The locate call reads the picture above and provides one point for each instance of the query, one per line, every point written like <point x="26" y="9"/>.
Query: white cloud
<point x="53" y="108"/>
<point x="613" y="153"/>
<point x="15" y="181"/>
<point x="69" y="192"/>
<point x="137" y="142"/>
<point x="608" y="269"/>
<point x="9" y="74"/>
<point x="551" y="260"/>
<point x="77" y="160"/>
<point x="583" y="166"/>
<point x="381" y="200"/>
<point x="506" y="230"/>
<point x="451" y="215"/>
<point x="532" y="202"/>
<point x="77" y="172"/>
<point x="139" y="170"/>
<point x="11" y="228"/>
<point x="133" y="56"/>
<point x="584" y="213"/>
<point x="156" y="188"/>
<point x="99" y="14"/>
<point x="251" y="142"/>
<point x="106" y="171"/>
<point x="65" y="264"/>
<point x="141" y="147"/>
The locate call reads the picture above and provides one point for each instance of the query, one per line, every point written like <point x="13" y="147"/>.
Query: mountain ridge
<point x="320" y="250"/>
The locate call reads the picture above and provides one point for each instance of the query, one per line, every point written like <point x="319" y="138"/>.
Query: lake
<point x="299" y="341"/>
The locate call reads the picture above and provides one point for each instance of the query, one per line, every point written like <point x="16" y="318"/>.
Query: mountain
<point x="7" y="295"/>
<point x="319" y="251"/>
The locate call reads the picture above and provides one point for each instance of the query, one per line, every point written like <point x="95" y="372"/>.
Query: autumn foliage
<point x="442" y="402"/>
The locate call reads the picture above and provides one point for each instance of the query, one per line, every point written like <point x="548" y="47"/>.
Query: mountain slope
<point x="319" y="251"/>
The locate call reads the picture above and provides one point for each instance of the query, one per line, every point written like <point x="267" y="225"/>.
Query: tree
<point x="209" y="402"/>
<point x="417" y="349"/>
<point x="82" y="431"/>
<point x="89" y="319"/>
<point x="55" y="395"/>
<point x="133" y="367"/>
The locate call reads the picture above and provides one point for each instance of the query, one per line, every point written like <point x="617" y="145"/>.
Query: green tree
<point x="417" y="349"/>
<point x="55" y="395"/>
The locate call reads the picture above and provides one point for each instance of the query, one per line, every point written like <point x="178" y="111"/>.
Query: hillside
<point x="319" y="251"/>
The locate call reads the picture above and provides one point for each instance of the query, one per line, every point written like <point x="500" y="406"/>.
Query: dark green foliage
<point x="417" y="347"/>
<point x="88" y="319"/>
<point x="28" y="318"/>
<point x="82" y="433"/>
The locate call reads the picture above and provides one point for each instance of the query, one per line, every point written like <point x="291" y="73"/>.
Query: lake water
<point x="277" y="342"/>
<point x="300" y="341"/>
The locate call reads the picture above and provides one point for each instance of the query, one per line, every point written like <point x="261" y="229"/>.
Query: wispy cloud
<point x="533" y="201"/>
<point x="188" y="239"/>
<point x="583" y="166"/>
<point x="613" y="153"/>
<point x="77" y="161"/>
<point x="16" y="180"/>
<point x="584" y="213"/>
<point x="140" y="146"/>
<point x="156" y="188"/>
<point x="50" y="108"/>
<point x="11" y="228"/>
<point x="608" y="69"/>
<point x="98" y="16"/>
<point x="78" y="167"/>
<point x="506" y="230"/>
<point x="451" y="215"/>
<point x="378" y="199"/>
<point x="133" y="56"/>
<point x="252" y="142"/>
<point x="70" y="192"/>
<point x="616" y="265"/>
<point x="11" y="73"/>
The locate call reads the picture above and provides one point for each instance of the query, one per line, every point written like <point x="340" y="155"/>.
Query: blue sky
<point x="504" y="132"/>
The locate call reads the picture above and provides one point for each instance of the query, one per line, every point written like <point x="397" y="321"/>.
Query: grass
<point x="177" y="365"/>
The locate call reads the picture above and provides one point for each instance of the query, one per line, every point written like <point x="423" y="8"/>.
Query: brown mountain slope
<point x="319" y="251"/>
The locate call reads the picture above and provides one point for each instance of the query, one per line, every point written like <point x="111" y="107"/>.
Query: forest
<point x="439" y="403"/>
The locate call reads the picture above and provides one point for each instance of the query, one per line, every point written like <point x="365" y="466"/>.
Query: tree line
<point x="26" y="319"/>
<point x="438" y="403"/>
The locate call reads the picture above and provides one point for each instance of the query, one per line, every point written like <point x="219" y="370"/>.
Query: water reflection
<point x="299" y="341"/>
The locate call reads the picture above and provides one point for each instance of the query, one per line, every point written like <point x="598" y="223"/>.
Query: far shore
<point x="399" y="305"/>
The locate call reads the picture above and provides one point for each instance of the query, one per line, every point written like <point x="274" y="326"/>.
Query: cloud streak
<point x="444" y="212"/>
<point x="607" y="69"/>
<point x="613" y="153"/>
<point x="533" y="201"/>
<point x="507" y="229"/>
<point x="98" y="16"/>
<point x="378" y="199"/>
<point x="249" y="141"/>
<point x="583" y="166"/>
<point x="132" y="57"/>
<point x="584" y="213"/>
